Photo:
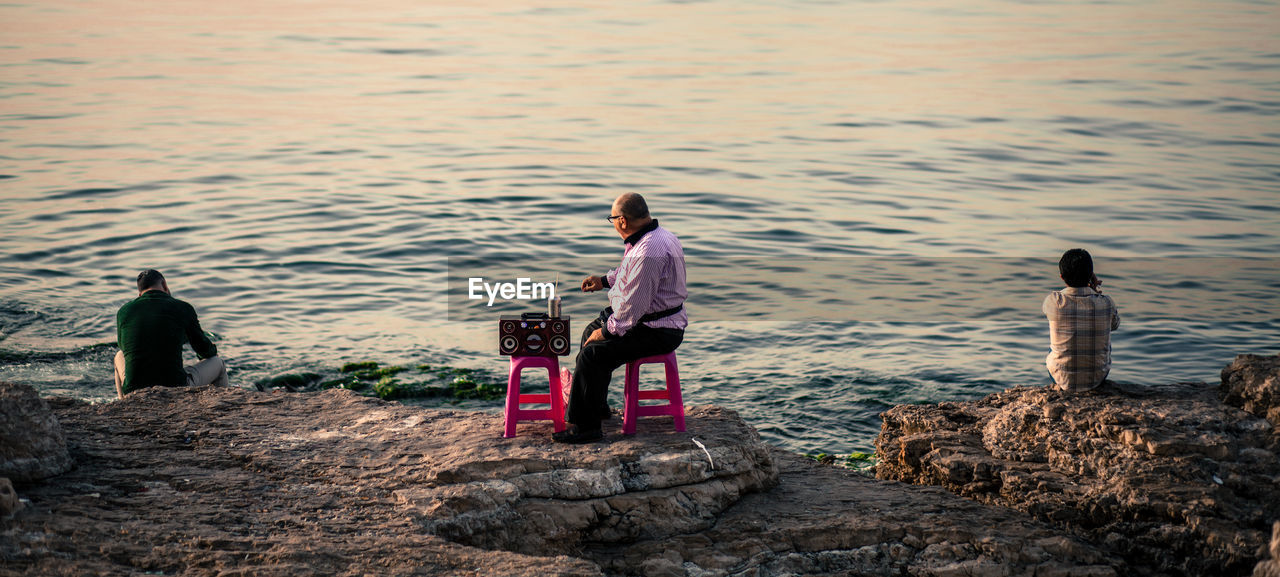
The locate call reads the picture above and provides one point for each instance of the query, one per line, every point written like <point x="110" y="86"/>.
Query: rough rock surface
<point x="212" y="479"/>
<point x="1271" y="567"/>
<point x="9" y="503"/>
<point x="825" y="520"/>
<point x="1252" y="382"/>
<point x="1167" y="477"/>
<point x="219" y="481"/>
<point x="31" y="443"/>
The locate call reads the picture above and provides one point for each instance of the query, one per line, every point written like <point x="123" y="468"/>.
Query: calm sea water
<point x="304" y="173"/>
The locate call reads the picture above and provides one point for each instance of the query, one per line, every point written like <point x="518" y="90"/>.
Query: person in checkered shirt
<point x="1081" y="319"/>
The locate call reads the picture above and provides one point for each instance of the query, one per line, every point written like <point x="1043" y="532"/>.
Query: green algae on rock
<point x="458" y="388"/>
<point x="289" y="381"/>
<point x="864" y="463"/>
<point x="349" y="383"/>
<point x="369" y="378"/>
<point x="377" y="374"/>
<point x="356" y="366"/>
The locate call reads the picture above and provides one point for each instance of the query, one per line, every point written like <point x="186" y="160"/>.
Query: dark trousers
<point x="588" y="397"/>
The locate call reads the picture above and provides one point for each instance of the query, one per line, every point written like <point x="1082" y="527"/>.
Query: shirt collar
<point x="648" y="228"/>
<point x="1078" y="291"/>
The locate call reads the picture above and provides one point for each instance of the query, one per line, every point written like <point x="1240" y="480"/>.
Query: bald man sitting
<point x="645" y="316"/>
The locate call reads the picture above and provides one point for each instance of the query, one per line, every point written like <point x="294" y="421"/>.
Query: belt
<point x="608" y="312"/>
<point x="661" y="314"/>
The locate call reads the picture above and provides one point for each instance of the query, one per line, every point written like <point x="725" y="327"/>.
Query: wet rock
<point x="1168" y="477"/>
<point x="1252" y="382"/>
<point x="32" y="447"/>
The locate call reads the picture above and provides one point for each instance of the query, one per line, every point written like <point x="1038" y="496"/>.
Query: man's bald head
<point x="632" y="206"/>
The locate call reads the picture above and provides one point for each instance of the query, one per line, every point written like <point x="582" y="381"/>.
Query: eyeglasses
<point x="612" y="218"/>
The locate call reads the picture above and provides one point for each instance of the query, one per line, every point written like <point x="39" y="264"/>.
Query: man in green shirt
<point x="151" y="330"/>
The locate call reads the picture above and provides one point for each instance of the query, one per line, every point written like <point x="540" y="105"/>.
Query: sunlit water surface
<point x="302" y="171"/>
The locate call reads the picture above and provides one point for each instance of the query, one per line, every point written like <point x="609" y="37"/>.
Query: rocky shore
<point x="223" y="482"/>
<point x="1171" y="478"/>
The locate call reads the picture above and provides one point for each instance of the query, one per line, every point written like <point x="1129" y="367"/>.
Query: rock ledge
<point x="223" y="482"/>
<point x="1168" y="477"/>
<point x="1252" y="383"/>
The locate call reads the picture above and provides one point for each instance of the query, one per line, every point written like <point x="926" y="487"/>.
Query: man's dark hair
<point x="633" y="207"/>
<point x="1076" y="267"/>
<point x="149" y="278"/>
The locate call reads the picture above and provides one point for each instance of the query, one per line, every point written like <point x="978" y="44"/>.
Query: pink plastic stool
<point x="633" y="395"/>
<point x="513" y="413"/>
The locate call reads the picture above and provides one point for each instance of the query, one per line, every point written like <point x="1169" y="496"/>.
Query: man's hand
<point x="1095" y="284"/>
<point x="595" y="337"/>
<point x="592" y="284"/>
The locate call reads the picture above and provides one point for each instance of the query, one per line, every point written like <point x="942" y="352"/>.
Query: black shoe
<point x="574" y="436"/>
<point x="606" y="414"/>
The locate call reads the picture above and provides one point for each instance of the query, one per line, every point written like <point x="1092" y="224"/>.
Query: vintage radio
<point x="533" y="335"/>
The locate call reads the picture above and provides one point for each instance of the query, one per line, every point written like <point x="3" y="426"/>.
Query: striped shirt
<point x="1080" y="325"/>
<point x="651" y="278"/>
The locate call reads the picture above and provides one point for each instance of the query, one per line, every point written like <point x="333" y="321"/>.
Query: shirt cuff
<point x="605" y="280"/>
<point x="604" y="329"/>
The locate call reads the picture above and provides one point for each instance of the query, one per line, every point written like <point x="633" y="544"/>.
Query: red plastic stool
<point x="633" y="395"/>
<point x="513" y="413"/>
